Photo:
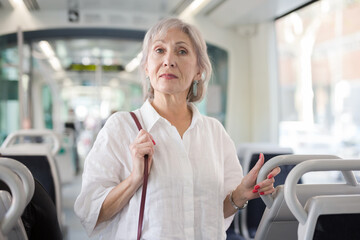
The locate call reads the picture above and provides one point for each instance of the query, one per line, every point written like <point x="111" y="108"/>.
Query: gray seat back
<point x="322" y="205"/>
<point x="31" y="137"/>
<point x="332" y="217"/>
<point x="277" y="220"/>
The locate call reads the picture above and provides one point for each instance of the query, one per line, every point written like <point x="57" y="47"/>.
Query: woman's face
<point x="171" y="64"/>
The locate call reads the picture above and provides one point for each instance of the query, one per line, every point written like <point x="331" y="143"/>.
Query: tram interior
<point x="286" y="82"/>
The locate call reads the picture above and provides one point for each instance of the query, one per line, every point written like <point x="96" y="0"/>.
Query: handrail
<point x="344" y="165"/>
<point x="24" y="173"/>
<point x="8" y="152"/>
<point x="291" y="160"/>
<point x="33" y="133"/>
<point x="18" y="202"/>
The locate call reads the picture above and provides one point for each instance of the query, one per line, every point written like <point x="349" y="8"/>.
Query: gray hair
<point x="200" y="47"/>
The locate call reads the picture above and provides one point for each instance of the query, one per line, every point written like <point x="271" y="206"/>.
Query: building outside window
<point x="319" y="78"/>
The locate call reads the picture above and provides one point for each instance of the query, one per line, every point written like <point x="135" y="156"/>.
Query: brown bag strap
<point x="146" y="175"/>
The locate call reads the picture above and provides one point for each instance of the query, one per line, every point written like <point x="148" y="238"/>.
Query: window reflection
<point x="318" y="50"/>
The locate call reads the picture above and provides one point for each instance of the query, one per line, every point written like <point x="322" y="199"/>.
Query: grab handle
<point x="24" y="174"/>
<point x="18" y="202"/>
<point x="33" y="133"/>
<point x="344" y="165"/>
<point x="291" y="160"/>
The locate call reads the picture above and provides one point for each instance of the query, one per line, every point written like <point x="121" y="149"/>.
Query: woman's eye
<point x="159" y="50"/>
<point x="182" y="52"/>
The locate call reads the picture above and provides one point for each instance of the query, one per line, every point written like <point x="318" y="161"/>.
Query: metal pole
<point x="20" y="43"/>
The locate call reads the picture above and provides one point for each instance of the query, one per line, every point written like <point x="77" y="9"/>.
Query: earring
<point x="148" y="83"/>
<point x="194" y="88"/>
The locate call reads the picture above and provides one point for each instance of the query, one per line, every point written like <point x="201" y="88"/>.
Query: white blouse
<point x="188" y="181"/>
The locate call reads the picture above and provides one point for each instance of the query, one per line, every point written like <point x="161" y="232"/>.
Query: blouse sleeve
<point x="233" y="172"/>
<point x="104" y="168"/>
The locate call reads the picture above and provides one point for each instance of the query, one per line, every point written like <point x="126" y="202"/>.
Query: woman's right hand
<point x="142" y="145"/>
<point x="120" y="195"/>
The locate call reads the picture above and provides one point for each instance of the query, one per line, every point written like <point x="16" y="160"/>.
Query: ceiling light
<point x="47" y="49"/>
<point x="85" y="61"/>
<point x="50" y="54"/>
<point x="134" y="63"/>
<point x="17" y="4"/>
<point x="193" y="8"/>
<point x="55" y="63"/>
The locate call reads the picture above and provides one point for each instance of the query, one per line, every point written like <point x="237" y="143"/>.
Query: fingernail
<point x="254" y="191"/>
<point x="153" y="142"/>
<point x="270" y="176"/>
<point x="262" y="193"/>
<point x="260" y="156"/>
<point x="256" y="187"/>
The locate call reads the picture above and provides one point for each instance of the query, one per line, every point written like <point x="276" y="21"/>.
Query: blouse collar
<point x="150" y="116"/>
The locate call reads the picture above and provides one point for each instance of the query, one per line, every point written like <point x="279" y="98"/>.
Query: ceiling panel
<point x="153" y="6"/>
<point x="225" y="13"/>
<point x="231" y="13"/>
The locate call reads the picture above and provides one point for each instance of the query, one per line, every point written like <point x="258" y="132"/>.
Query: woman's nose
<point x="169" y="60"/>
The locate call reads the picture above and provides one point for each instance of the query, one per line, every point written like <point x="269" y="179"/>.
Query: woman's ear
<point x="198" y="76"/>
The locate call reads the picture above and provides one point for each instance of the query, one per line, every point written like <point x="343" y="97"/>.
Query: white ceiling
<point x="225" y="13"/>
<point x="231" y="13"/>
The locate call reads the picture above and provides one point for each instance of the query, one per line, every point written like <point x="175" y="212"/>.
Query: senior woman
<point x="195" y="180"/>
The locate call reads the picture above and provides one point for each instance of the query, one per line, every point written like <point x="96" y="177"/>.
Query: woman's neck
<point x="171" y="108"/>
<point x="177" y="112"/>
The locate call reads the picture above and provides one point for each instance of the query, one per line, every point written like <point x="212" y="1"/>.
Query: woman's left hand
<point x="248" y="186"/>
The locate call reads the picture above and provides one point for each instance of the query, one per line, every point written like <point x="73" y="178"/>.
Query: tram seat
<point x="39" y="218"/>
<point x="247" y="220"/>
<point x="36" y="149"/>
<point x="30" y="137"/>
<point x="246" y="149"/>
<point x="277" y="221"/>
<point x="43" y="167"/>
<point x="20" y="183"/>
<point x="332" y="217"/>
<point x="328" y="216"/>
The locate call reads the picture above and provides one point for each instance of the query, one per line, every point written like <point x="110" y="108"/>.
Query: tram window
<point x="214" y="103"/>
<point x="9" y="106"/>
<point x="319" y="78"/>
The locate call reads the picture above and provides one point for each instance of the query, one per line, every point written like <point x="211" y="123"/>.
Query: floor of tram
<point x="74" y="229"/>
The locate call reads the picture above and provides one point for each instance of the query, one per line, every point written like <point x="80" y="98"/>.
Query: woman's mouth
<point x="168" y="76"/>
